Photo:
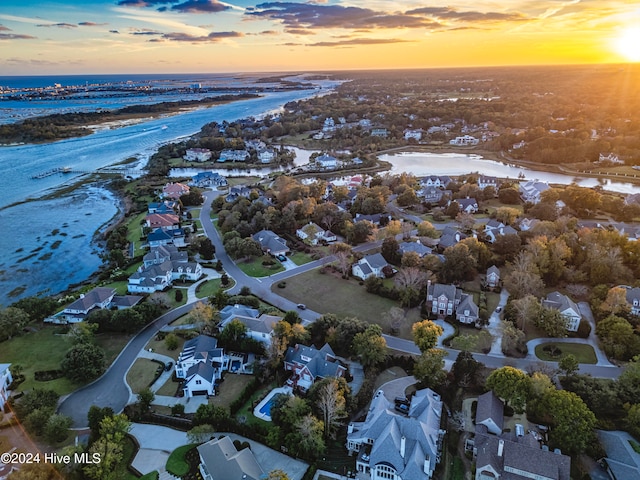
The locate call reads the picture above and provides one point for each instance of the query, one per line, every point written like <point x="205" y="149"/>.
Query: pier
<point x="108" y="171"/>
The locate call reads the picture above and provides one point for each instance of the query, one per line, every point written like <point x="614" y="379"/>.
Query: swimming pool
<point x="263" y="410"/>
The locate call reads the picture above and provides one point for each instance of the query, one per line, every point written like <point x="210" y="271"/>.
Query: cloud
<point x="59" y="25"/>
<point x="313" y="15"/>
<point x="143" y="3"/>
<point x="211" y="38"/>
<point x="114" y="31"/>
<point x="146" y="32"/>
<point x="358" y="41"/>
<point x="15" y="36"/>
<point x="4" y="29"/>
<point x="91" y="24"/>
<point x="447" y="13"/>
<point x="184" y="6"/>
<point x="299" y="31"/>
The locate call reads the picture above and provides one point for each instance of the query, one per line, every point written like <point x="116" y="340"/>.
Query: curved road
<point x="111" y="390"/>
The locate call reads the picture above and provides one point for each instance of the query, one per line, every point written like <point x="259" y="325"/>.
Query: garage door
<point x="199" y="392"/>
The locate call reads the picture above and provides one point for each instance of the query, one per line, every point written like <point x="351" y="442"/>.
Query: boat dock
<point x="109" y="171"/>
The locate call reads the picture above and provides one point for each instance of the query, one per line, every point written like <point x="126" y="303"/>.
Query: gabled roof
<point x="450" y="291"/>
<point x="490" y="407"/>
<point x="201" y="369"/>
<point x="375" y="260"/>
<point x="159" y="235"/>
<point x="415" y="247"/>
<point x="223" y="462"/>
<point x="315" y="360"/>
<point x="467" y="202"/>
<point x="493" y="269"/>
<point x="126" y="301"/>
<point x="202" y="347"/>
<point x="467" y="303"/>
<point x="633" y="294"/>
<point x="263" y="324"/>
<point x="560" y="302"/>
<point x="90" y="299"/>
<point x="238" y="310"/>
<point x="270" y="241"/>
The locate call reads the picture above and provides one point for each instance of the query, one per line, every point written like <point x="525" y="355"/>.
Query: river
<point x="47" y="245"/>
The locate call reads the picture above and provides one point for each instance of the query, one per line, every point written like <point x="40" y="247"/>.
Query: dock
<point x="108" y="171"/>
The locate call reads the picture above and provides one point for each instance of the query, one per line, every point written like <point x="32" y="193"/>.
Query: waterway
<point x="35" y="260"/>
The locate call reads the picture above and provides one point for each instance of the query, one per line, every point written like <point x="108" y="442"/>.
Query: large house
<point x="160" y="267"/>
<point x="313" y="233"/>
<point x="396" y="445"/>
<point x="446" y="300"/>
<point x="174" y="191"/>
<point x="495" y="228"/>
<point x="492" y="279"/>
<point x="309" y="364"/>
<point x="326" y="162"/>
<point x="200" y="364"/>
<point x="230" y="155"/>
<point x="485" y="181"/>
<point x="566" y="307"/>
<point x="96" y="299"/>
<point x="164" y="221"/>
<point x="271" y="243"/>
<point x="197" y="154"/>
<point x="416" y="247"/>
<point x="633" y="299"/>
<point x="259" y="327"/>
<point x="220" y="460"/>
<point x="531" y="190"/>
<point x="435" y="181"/>
<point x="512" y="455"/>
<point x="449" y="237"/>
<point x="468" y="205"/>
<point x="369" y="266"/>
<point x="208" y="179"/>
<point x="5" y="380"/>
<point x="464" y="140"/>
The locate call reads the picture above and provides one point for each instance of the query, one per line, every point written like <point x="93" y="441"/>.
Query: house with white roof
<point x="464" y="140"/>
<point x="395" y="445"/>
<point x="415" y="134"/>
<point x="368" y="266"/>
<point x="566" y="307"/>
<point x="197" y="154"/>
<point x="5" y="380"/>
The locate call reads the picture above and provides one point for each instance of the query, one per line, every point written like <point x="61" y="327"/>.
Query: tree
<point x="465" y="369"/>
<point x="571" y="421"/>
<point x="109" y="447"/>
<point x="507" y="215"/>
<point x="370" y="346"/>
<point x="57" y="428"/>
<point x="205" y="316"/>
<point x="568" y="364"/>
<point x="459" y="264"/>
<point x="332" y="406"/>
<point x="145" y="399"/>
<point x="277" y="475"/>
<point x="629" y="381"/>
<point x="616" y="302"/>
<point x="509" y="196"/>
<point x="633" y="420"/>
<point x="308" y="442"/>
<point x="171" y="341"/>
<point x="618" y="338"/>
<point x="38" y="398"/>
<point x="553" y="322"/>
<point x="391" y="250"/>
<point x="83" y="362"/>
<point x="35" y="471"/>
<point x="510" y="384"/>
<point x="233" y="333"/>
<point x="12" y="321"/>
<point x="344" y="262"/>
<point x="95" y="416"/>
<point x="426" y="229"/>
<point x="200" y="433"/>
<point x="207" y="250"/>
<point x="425" y="334"/>
<point x="429" y="368"/>
<point x="512" y="338"/>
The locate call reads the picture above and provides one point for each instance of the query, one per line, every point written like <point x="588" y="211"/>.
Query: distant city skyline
<point x="192" y="36"/>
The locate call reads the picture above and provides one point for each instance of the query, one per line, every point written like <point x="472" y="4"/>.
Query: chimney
<point x="427" y="465"/>
<point x="500" y="448"/>
<point x="403" y="445"/>
<point x="350" y="429"/>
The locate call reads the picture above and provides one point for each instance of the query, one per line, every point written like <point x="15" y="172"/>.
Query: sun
<point x="628" y="44"/>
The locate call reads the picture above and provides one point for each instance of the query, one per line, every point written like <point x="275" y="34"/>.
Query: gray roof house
<point x="417" y="247"/>
<point x="202" y="349"/>
<point x="368" y="266"/>
<point x="567" y="307"/>
<point x="493" y="276"/>
<point x="396" y="445"/>
<point x="98" y="298"/>
<point x="622" y="461"/>
<point x="271" y="243"/>
<point x="633" y="299"/>
<point x="219" y="460"/>
<point x="259" y="328"/>
<point x="509" y="455"/>
<point x="531" y="190"/>
<point x="467" y="311"/>
<point x="468" y="205"/>
<point x="309" y="363"/>
<point x="493" y="229"/>
<point x="449" y="237"/>
<point x="237" y="310"/>
<point x="445" y="300"/>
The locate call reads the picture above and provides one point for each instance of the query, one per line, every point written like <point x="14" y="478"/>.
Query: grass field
<point x="134" y="231"/>
<point x="326" y="293"/>
<point x="584" y="353"/>
<point x="254" y="267"/>
<point x="230" y="389"/>
<point x="158" y="346"/>
<point x="141" y="374"/>
<point x="300" y="258"/>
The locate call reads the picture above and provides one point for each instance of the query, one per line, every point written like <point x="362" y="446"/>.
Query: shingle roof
<point x="201" y="347"/>
<point x="449" y="291"/>
<point x="376" y="260"/>
<point x="223" y="462"/>
<point x="90" y="299"/>
<point x="238" y="310"/>
<point x="490" y="407"/>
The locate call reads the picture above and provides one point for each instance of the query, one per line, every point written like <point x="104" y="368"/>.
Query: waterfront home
<point x="309" y="364"/>
<point x="326" y="162"/>
<point x="229" y="155"/>
<point x="164" y="221"/>
<point x="197" y="154"/>
<point x="271" y="243"/>
<point x="161" y="267"/>
<point x="464" y="140"/>
<point x="441" y="181"/>
<point x="220" y="460"/>
<point x="413" y="134"/>
<point x="166" y="206"/>
<point x="531" y="190"/>
<point x="208" y="179"/>
<point x="485" y="181"/>
<point x="97" y="299"/>
<point x="160" y="238"/>
<point x="399" y="443"/>
<point x="266" y="155"/>
<point x="566" y="307"/>
<point x="236" y="192"/>
<point x="369" y="266"/>
<point x="5" y="380"/>
<point x="174" y="191"/>
<point x="433" y="194"/>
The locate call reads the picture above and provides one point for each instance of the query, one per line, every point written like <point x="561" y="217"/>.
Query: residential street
<point x="111" y="389"/>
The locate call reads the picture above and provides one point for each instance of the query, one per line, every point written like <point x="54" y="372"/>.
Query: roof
<point x="493" y="269"/>
<point x="623" y="461"/>
<point x="237" y="310"/>
<point x="126" y="301"/>
<point x="490" y="407"/>
<point x="467" y="303"/>
<point x="449" y="291"/>
<point x="158" y="235"/>
<point x="223" y="462"/>
<point x="560" y="302"/>
<point x="202" y="347"/>
<point x="263" y="324"/>
<point x="414" y="247"/>
<point x="633" y="294"/>
<point x="270" y="241"/>
<point x="321" y="363"/>
<point x="201" y="369"/>
<point x="375" y="260"/>
<point x="90" y="299"/>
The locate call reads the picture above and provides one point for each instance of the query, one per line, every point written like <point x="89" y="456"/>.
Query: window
<point x="198" y="382"/>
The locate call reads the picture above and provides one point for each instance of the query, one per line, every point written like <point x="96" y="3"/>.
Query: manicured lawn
<point x="169" y="389"/>
<point x="141" y="374"/>
<point x="246" y="412"/>
<point x="158" y="346"/>
<point x="209" y="288"/>
<point x="134" y="232"/>
<point x="230" y="389"/>
<point x="233" y="181"/>
<point x="584" y="353"/>
<point x="300" y="258"/>
<point x="112" y="343"/>
<point x="326" y="293"/>
<point x="176" y="463"/>
<point x="254" y="267"/>
<point x="41" y="350"/>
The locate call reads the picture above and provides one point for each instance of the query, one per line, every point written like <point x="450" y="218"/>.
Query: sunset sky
<point x="184" y="36"/>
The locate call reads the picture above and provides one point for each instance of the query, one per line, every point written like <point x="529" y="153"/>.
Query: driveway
<point x="156" y="443"/>
<point x="396" y="388"/>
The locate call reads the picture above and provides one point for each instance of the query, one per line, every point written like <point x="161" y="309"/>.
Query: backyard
<point x="554" y="351"/>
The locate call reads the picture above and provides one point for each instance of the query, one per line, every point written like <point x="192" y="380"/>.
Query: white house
<point x="229" y="155"/>
<point x="266" y="155"/>
<point x="468" y="205"/>
<point x="368" y="266"/>
<point x="531" y="190"/>
<point x="485" y="181"/>
<point x="161" y="267"/>
<point x="566" y="307"/>
<point x="493" y="276"/>
<point x="5" y="380"/>
<point x="327" y="162"/>
<point x="415" y="134"/>
<point x="313" y="233"/>
<point x="200" y="364"/>
<point x="259" y="328"/>
<point x="271" y="243"/>
<point x="197" y="154"/>
<point x="494" y="229"/>
<point x="464" y="140"/>
<point x="633" y="299"/>
<point x="394" y="445"/>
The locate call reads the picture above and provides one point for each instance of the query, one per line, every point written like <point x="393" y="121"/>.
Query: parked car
<point x="302" y="306"/>
<point x="282" y="258"/>
<point x="499" y="309"/>
<point x="402" y="408"/>
<point x="168" y="366"/>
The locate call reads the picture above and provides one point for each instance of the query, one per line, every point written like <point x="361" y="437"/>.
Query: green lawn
<point x="169" y="389"/>
<point x="584" y="353"/>
<point x="141" y="374"/>
<point x="254" y="267"/>
<point x="209" y="288"/>
<point x="176" y="463"/>
<point x="112" y="343"/>
<point x="326" y="293"/>
<point x="134" y="232"/>
<point x="300" y="258"/>
<point x="158" y="346"/>
<point x="230" y="389"/>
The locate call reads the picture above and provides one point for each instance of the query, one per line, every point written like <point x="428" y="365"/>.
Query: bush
<point x="171" y="341"/>
<point x="282" y="284"/>
<point x="178" y="295"/>
<point x="46" y="375"/>
<point x="177" y="409"/>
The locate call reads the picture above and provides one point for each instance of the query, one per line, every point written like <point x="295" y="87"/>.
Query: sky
<point x="210" y="36"/>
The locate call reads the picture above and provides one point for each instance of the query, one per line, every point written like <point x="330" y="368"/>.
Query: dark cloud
<point x="59" y="25"/>
<point x="212" y="37"/>
<point x="446" y="13"/>
<point x="299" y="31"/>
<point x="114" y="31"/>
<point x="143" y="3"/>
<point x="358" y="41"/>
<point x="146" y="32"/>
<point x="91" y="24"/>
<point x="15" y="36"/>
<point x="200" y="6"/>
<point x="309" y="15"/>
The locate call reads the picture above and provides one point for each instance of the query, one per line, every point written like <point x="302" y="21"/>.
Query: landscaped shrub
<point x="282" y="284"/>
<point x="251" y="388"/>
<point x="46" y="375"/>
